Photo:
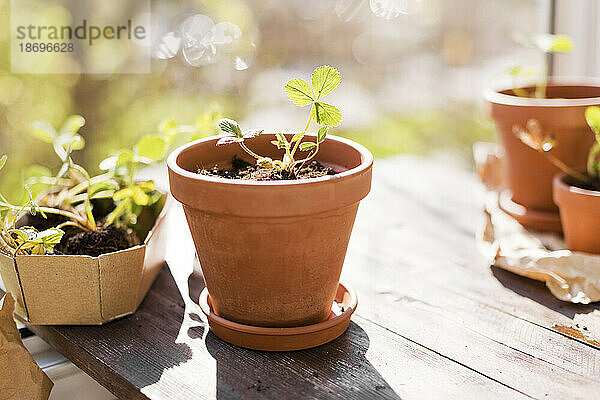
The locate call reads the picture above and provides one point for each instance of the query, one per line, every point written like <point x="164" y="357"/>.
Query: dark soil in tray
<point x="90" y="243"/>
<point x="40" y="223"/>
<point x="94" y="243"/>
<point x="244" y="170"/>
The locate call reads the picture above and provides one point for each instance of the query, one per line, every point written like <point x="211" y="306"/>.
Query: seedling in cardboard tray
<point x="324" y="79"/>
<point x="133" y="196"/>
<point x="71" y="192"/>
<point x="24" y="240"/>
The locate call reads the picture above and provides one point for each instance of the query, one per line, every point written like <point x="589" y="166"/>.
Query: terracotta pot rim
<point x="562" y="186"/>
<point x="493" y="94"/>
<point x="365" y="154"/>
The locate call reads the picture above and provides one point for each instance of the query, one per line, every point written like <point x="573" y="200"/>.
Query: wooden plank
<point x="129" y="347"/>
<point x="456" y="215"/>
<point x="161" y="354"/>
<point x="433" y="319"/>
<point x="403" y="275"/>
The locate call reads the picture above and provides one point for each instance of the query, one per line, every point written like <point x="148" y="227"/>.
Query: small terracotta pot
<point x="271" y="251"/>
<point x="579" y="213"/>
<point x="561" y="114"/>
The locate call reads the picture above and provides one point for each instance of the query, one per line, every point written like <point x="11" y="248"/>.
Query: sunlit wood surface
<point x="434" y="319"/>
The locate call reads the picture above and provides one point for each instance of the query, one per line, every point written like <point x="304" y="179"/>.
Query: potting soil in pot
<point x="244" y="170"/>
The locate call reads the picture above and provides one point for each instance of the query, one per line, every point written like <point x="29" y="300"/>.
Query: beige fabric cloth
<point x="570" y="276"/>
<point x="20" y="376"/>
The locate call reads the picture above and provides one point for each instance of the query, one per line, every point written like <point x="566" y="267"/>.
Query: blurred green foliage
<point x="424" y="131"/>
<point x="121" y="108"/>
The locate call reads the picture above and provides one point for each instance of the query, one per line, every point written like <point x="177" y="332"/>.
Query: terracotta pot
<point x="579" y="213"/>
<point x="561" y="114"/>
<point x="271" y="251"/>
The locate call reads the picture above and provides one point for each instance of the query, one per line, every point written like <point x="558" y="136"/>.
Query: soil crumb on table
<point x="95" y="243"/>
<point x="244" y="170"/>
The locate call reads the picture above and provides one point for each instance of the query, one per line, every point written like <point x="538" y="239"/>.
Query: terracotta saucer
<point x="539" y="220"/>
<point x="284" y="339"/>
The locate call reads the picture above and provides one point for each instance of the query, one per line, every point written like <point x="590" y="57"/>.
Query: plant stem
<point x="247" y="150"/>
<point x="74" y="224"/>
<point x="303" y="133"/>
<point x="110" y="219"/>
<point x="582" y="178"/>
<point x="56" y="211"/>
<point x="540" y="90"/>
<point x="86" y="184"/>
<point x="88" y="204"/>
<point x="310" y="157"/>
<point x="47" y="180"/>
<point x="19" y="247"/>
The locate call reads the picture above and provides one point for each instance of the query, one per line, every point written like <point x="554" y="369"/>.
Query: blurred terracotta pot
<point x="271" y="251"/>
<point x="579" y="213"/>
<point x="529" y="173"/>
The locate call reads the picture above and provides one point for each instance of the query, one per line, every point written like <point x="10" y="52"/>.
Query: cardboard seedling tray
<point x="84" y="290"/>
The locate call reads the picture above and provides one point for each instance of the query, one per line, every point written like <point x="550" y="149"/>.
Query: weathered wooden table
<point x="434" y="320"/>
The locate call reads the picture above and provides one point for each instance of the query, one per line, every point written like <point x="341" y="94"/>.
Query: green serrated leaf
<point x="230" y="126"/>
<point x="21" y="234"/>
<point x="228" y="140"/>
<point x="3" y="160"/>
<point x="152" y="147"/>
<point x="43" y="131"/>
<point x="324" y="80"/>
<point x="281" y="137"/>
<point x="251" y="133"/>
<point x="276" y="143"/>
<point x="321" y="134"/>
<point x="592" y="117"/>
<point x="297" y="137"/>
<point x="593" y="166"/>
<point x="307" y="146"/>
<point x="50" y="236"/>
<point x="72" y="124"/>
<point x="89" y="213"/>
<point x="299" y="92"/>
<point x="326" y="114"/>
